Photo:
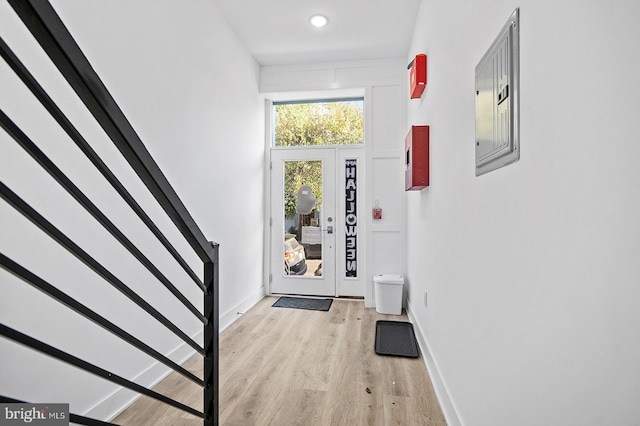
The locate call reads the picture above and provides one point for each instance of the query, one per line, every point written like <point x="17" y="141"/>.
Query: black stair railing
<point x="48" y="29"/>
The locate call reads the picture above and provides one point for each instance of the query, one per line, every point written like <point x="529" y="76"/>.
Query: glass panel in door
<point x="302" y="213"/>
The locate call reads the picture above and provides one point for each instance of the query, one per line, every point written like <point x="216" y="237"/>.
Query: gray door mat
<point x="303" y="303"/>
<point x="396" y="338"/>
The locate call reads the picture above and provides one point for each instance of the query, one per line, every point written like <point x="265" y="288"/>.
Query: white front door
<point x="316" y="242"/>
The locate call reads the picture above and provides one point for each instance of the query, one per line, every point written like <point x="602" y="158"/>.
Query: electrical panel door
<point x="497" y="101"/>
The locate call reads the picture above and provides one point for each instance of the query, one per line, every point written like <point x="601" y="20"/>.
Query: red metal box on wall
<point x="418" y="75"/>
<point x="416" y="147"/>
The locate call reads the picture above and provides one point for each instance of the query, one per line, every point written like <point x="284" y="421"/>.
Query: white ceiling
<point x="278" y="31"/>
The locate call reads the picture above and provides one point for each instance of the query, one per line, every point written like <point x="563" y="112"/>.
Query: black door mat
<point x="303" y="303"/>
<point x="396" y="338"/>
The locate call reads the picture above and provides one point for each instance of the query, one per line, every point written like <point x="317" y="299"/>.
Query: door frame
<point x="307" y="284"/>
<point x="344" y="286"/>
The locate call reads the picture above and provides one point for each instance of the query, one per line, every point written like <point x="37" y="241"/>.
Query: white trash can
<point x="388" y="288"/>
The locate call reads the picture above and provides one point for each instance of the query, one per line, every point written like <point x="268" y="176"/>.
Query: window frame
<point x="339" y="99"/>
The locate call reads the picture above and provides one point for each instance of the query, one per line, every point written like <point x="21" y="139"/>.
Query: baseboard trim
<point x="444" y="398"/>
<point x="236" y="312"/>
<point x="118" y="401"/>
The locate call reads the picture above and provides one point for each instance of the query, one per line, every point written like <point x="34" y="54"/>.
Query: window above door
<point x="318" y="122"/>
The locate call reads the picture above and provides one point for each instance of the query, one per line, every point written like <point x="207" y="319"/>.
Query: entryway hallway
<point x="283" y="366"/>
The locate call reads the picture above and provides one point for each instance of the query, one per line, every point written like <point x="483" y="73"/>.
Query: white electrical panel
<point x="497" y="101"/>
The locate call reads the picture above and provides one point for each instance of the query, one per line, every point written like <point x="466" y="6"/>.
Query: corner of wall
<point x="236" y="311"/>
<point x="118" y="401"/>
<point x="442" y="393"/>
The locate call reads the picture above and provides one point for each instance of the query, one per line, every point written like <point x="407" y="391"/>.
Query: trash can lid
<point x="389" y="279"/>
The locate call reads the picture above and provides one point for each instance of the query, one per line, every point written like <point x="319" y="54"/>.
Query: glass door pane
<point x="302" y="212"/>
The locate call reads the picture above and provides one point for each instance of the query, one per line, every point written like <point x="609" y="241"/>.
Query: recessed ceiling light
<point x="318" y="21"/>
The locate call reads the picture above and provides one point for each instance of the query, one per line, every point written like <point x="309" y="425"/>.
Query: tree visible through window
<point x="314" y="123"/>
<point x="338" y="122"/>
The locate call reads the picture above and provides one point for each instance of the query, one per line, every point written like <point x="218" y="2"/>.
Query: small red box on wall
<point x="416" y="147"/>
<point x="418" y="75"/>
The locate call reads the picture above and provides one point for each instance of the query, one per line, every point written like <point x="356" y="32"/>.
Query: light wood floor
<point x="282" y="366"/>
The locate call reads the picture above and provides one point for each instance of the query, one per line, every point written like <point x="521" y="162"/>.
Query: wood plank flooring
<point x="281" y="366"/>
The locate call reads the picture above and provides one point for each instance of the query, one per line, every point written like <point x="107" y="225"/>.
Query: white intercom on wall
<point x="497" y="100"/>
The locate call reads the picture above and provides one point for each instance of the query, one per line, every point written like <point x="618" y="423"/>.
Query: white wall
<point x="190" y="90"/>
<point x="531" y="270"/>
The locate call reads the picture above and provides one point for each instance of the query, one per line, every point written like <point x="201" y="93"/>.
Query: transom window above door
<point x="318" y="122"/>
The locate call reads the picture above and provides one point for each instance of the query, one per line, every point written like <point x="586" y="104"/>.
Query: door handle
<point x="328" y="229"/>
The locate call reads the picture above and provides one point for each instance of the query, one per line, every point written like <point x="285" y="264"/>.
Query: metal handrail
<point x="50" y="32"/>
<point x="27" y="78"/>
